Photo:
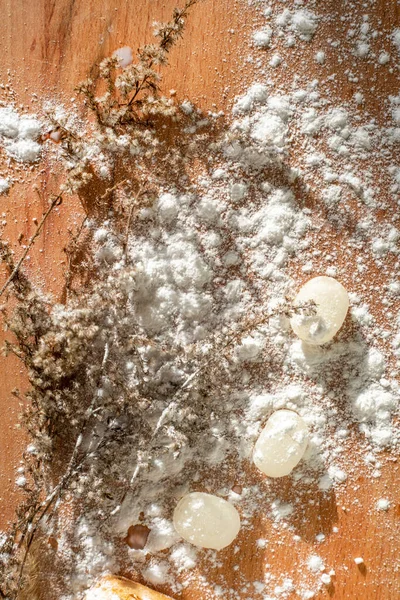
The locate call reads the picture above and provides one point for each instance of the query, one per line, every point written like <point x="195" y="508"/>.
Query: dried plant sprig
<point x="134" y="94"/>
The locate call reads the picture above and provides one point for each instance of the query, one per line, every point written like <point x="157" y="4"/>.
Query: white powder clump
<point x="9" y="122"/>
<point x="383" y="58"/>
<point x="305" y="24"/>
<point x="29" y="128"/>
<point x="162" y="535"/>
<point x="362" y="49"/>
<point x="383" y="504"/>
<point x="374" y="404"/>
<point x="157" y="573"/>
<point x="396" y="38"/>
<point x="249" y="348"/>
<point x="19" y="135"/>
<point x="279" y="222"/>
<point x="269" y="129"/>
<point x="256" y="94"/>
<point x="336" y="474"/>
<point x="315" y="563"/>
<point x="320" y="57"/>
<point x="262" y="38"/>
<point x="167" y="207"/>
<point x="184" y="557"/>
<point x="124" y="56"/>
<point x="325" y="578"/>
<point x="4" y="185"/>
<point x="238" y="191"/>
<point x="275" y="60"/>
<point x="24" y="150"/>
<point x="187" y="107"/>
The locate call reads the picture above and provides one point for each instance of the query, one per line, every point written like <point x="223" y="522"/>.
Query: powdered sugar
<point x="236" y="244"/>
<point x="19" y="135"/>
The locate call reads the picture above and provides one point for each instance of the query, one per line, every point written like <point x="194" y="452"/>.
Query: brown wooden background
<point x="49" y="46"/>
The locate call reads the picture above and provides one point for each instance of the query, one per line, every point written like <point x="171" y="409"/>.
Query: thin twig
<point x="69" y="251"/>
<point x="111" y="189"/>
<point x="56" y="202"/>
<point x="140" y="192"/>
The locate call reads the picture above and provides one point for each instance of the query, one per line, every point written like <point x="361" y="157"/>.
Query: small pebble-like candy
<point x="206" y="521"/>
<point x="281" y="444"/>
<point x="322" y="307"/>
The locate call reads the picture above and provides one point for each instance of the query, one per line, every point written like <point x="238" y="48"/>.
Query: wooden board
<point x="49" y="46"/>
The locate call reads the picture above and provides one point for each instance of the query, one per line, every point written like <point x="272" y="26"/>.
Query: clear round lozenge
<point x="320" y="309"/>
<point x="281" y="444"/>
<point x="206" y="520"/>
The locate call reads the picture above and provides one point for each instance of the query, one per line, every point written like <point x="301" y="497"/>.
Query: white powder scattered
<point x="230" y="246"/>
<point x="184" y="557"/>
<point x="326" y="578"/>
<point x="305" y="24"/>
<point x="262" y="38"/>
<point x="157" y="573"/>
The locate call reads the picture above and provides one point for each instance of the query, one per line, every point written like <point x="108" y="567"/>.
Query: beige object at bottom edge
<point x="111" y="587"/>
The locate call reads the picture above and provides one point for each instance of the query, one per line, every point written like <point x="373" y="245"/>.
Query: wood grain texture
<point x="49" y="46"/>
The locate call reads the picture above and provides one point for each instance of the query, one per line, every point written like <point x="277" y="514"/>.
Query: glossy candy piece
<point x="281" y="444"/>
<point x="322" y="305"/>
<point x="206" y="521"/>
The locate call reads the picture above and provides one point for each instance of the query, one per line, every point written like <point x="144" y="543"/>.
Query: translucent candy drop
<point x="206" y="520"/>
<point x="322" y="304"/>
<point x="281" y="444"/>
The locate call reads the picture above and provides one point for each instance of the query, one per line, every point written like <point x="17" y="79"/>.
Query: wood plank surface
<point x="47" y="47"/>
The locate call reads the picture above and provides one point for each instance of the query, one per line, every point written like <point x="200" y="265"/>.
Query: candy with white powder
<point x="320" y="310"/>
<point x="281" y="444"/>
<point x="206" y="520"/>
